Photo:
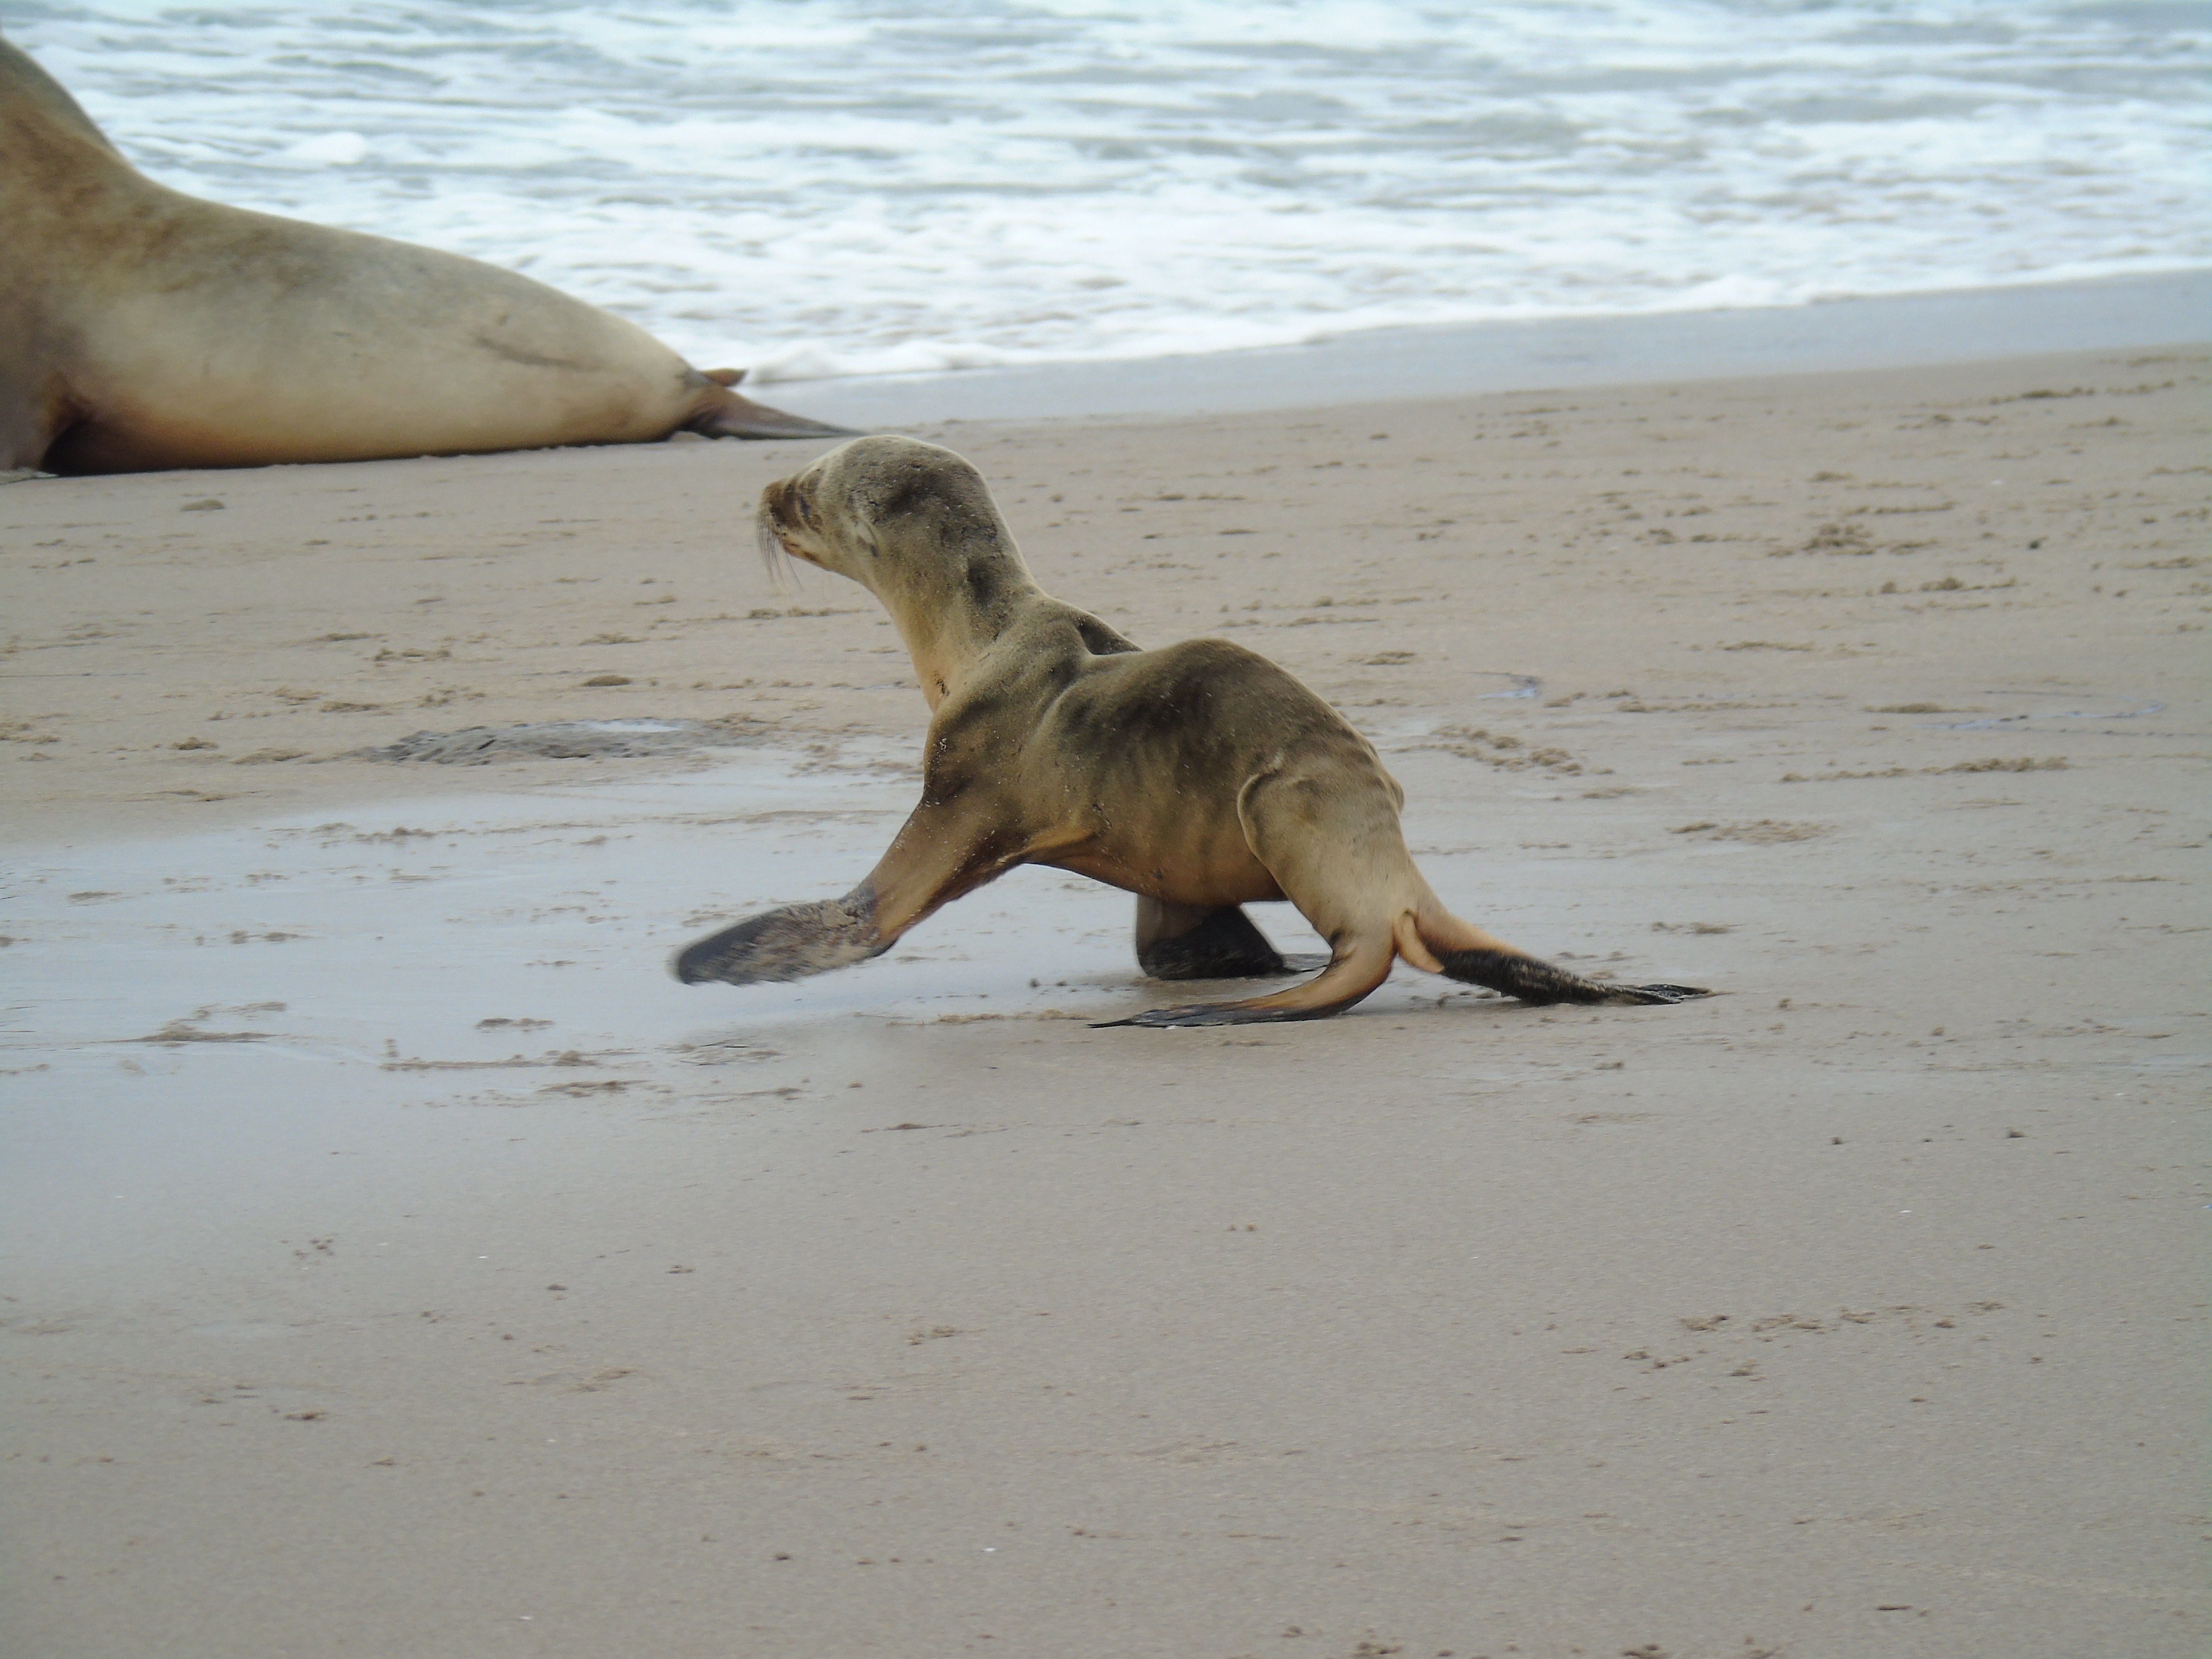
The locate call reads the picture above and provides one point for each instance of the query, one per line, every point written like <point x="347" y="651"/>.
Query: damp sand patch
<point x="624" y="739"/>
<point x="421" y="944"/>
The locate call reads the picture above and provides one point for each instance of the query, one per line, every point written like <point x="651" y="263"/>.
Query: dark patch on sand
<point x="483" y="746"/>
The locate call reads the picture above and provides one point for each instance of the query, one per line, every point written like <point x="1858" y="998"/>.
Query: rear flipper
<point x="1537" y="982"/>
<point x="1189" y="941"/>
<point x="730" y="415"/>
<point x="1348" y="979"/>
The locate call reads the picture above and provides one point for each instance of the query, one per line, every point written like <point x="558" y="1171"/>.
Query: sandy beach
<point x="402" y="1263"/>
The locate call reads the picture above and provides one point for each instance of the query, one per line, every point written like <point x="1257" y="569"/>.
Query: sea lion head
<point x="912" y="522"/>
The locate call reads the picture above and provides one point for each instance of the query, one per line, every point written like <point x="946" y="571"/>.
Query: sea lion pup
<point x="1199" y="776"/>
<point x="141" y="329"/>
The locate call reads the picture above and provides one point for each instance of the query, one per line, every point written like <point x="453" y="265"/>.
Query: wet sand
<point x="401" y="1263"/>
<point x="2137" y="314"/>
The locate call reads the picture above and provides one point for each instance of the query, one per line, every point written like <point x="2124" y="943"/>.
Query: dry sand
<point x="401" y="1265"/>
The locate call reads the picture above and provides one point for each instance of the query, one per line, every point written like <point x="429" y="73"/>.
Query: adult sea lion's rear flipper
<point x="730" y="415"/>
<point x="1190" y="941"/>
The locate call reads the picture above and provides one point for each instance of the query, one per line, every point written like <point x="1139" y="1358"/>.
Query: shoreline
<point x="1554" y="352"/>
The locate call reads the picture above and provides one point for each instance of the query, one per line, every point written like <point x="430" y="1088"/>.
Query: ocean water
<point x="823" y="187"/>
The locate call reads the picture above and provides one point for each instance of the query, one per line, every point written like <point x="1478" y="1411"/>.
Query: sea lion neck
<point x="952" y="605"/>
<point x="27" y="93"/>
<point x="62" y="170"/>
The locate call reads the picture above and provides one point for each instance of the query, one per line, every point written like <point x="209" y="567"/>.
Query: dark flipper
<point x="1347" y="979"/>
<point x="795" y="942"/>
<point x="1659" y="993"/>
<point x="730" y="415"/>
<point x="1539" y="983"/>
<point x="1221" y="944"/>
<point x="1213" y="1013"/>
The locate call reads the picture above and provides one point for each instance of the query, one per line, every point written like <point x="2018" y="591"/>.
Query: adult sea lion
<point x="1199" y="776"/>
<point x="143" y="329"/>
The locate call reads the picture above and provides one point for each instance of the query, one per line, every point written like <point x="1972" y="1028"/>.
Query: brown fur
<point x="1199" y="776"/>
<point x="141" y="329"/>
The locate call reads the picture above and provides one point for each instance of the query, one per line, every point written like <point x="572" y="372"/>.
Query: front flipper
<point x="1535" y="981"/>
<point x="795" y="942"/>
<point x="1192" y="941"/>
<point x="944" y="849"/>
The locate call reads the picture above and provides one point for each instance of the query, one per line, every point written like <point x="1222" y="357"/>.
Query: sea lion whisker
<point x="775" y="556"/>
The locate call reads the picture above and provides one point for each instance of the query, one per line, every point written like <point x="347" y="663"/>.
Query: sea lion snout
<point x="790" y="525"/>
<point x="777" y="521"/>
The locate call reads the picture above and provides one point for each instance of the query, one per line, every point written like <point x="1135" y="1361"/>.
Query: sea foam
<point x="865" y="188"/>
